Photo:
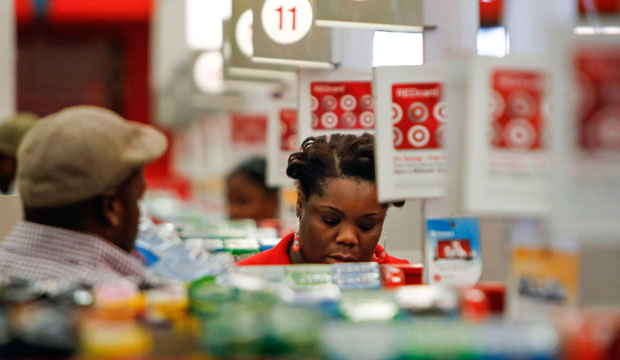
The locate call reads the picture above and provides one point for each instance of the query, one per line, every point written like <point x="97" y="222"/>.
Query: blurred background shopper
<point x="80" y="174"/>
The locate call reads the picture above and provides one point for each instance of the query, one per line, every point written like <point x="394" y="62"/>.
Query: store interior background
<point x="139" y="58"/>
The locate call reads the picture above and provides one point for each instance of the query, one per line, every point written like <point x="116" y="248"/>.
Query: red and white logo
<point x="348" y="120"/>
<point x="440" y="111"/>
<point x="329" y="103"/>
<point x="418" y="136"/>
<point x="519" y="134"/>
<point x="418" y="112"/>
<point x="366" y="102"/>
<point x="367" y="120"/>
<point x="397" y="113"/>
<point x="398" y="136"/>
<point x="329" y="120"/>
<point x="348" y="102"/>
<point x="425" y="112"/>
<point x="314" y="103"/>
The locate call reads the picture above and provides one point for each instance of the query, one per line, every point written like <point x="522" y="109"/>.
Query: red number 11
<point x="292" y="10"/>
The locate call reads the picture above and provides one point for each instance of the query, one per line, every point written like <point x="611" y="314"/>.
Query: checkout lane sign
<point x="287" y="21"/>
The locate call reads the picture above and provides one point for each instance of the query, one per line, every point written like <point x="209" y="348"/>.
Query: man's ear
<point x="300" y="204"/>
<point x="111" y="208"/>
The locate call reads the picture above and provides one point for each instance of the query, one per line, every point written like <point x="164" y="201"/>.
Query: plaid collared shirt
<point x="41" y="252"/>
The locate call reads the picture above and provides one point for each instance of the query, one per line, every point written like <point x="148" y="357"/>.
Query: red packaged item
<point x="413" y="273"/>
<point x="392" y="276"/>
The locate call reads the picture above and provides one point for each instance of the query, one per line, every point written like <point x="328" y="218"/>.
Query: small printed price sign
<point x="287" y="21"/>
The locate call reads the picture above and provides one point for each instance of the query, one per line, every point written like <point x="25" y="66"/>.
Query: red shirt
<point x="279" y="255"/>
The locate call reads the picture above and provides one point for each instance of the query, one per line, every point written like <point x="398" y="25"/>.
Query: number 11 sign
<point x="287" y="22"/>
<point x="284" y="33"/>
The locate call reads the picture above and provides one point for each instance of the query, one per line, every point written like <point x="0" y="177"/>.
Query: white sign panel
<point x="392" y="15"/>
<point x="411" y="128"/>
<point x="587" y="137"/>
<point x="506" y="155"/>
<point x="282" y="141"/>
<point x="338" y="101"/>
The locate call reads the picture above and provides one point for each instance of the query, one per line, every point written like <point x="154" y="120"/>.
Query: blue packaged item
<point x="357" y="275"/>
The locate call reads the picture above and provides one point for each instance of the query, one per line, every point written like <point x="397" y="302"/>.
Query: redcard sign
<point x="419" y="116"/>
<point x="342" y="105"/>
<point x="249" y="129"/>
<point x="516" y="109"/>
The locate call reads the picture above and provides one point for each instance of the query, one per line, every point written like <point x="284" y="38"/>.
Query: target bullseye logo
<point x="440" y="111"/>
<point x="418" y="136"/>
<point x="348" y="103"/>
<point x="519" y="134"/>
<point x="348" y="120"/>
<point x="522" y="104"/>
<point x="329" y="103"/>
<point x="367" y="119"/>
<point x="329" y="120"/>
<point x="397" y="113"/>
<point x="315" y="121"/>
<point x="417" y="112"/>
<point x="496" y="104"/>
<point x="440" y="135"/>
<point x="398" y="137"/>
<point x="314" y="103"/>
<point x="366" y="102"/>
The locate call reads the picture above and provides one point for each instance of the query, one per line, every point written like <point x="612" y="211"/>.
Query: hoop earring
<point x="296" y="245"/>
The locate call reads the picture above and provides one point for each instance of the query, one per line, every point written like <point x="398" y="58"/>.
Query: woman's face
<point x="248" y="200"/>
<point x="343" y="224"/>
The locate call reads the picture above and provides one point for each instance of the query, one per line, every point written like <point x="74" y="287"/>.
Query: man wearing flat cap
<point x="80" y="175"/>
<point x="11" y="133"/>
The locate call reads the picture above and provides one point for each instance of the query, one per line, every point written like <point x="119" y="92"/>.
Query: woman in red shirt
<point x="340" y="218"/>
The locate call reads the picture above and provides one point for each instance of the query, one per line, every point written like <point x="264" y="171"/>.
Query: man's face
<point x="7" y="172"/>
<point x="130" y="192"/>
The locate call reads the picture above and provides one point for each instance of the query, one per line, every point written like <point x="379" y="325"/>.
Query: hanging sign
<point x="506" y="158"/>
<point x="587" y="146"/>
<point x="282" y="140"/>
<point x="335" y="101"/>
<point x="412" y="118"/>
<point x="397" y="15"/>
<point x="249" y="129"/>
<point x="452" y="251"/>
<point x="284" y="33"/>
<point x="239" y="48"/>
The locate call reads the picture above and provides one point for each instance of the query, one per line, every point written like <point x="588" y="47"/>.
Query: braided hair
<point x="339" y="156"/>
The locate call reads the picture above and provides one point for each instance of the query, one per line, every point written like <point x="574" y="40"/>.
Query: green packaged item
<point x="308" y="275"/>
<point x="206" y="296"/>
<point x="241" y="248"/>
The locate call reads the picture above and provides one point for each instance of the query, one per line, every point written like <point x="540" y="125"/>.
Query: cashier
<point x="340" y="218"/>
